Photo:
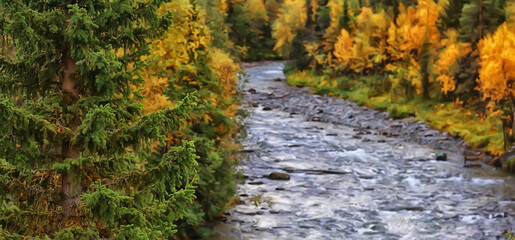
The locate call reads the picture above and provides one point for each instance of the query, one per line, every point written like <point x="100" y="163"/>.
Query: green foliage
<point x="509" y="235"/>
<point x="479" y="18"/>
<point x="78" y="157"/>
<point x="476" y="129"/>
<point x="450" y="17"/>
<point x="74" y="233"/>
<point x="197" y="67"/>
<point x="252" y="35"/>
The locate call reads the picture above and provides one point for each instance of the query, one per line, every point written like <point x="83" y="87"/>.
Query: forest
<point x="120" y="119"/>
<point x="446" y="62"/>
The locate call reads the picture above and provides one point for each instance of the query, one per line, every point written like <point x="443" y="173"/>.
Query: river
<point x="355" y="173"/>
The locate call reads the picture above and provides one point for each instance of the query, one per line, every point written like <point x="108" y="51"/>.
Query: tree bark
<point x="71" y="182"/>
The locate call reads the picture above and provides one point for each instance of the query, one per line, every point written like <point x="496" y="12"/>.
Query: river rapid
<point x="354" y="173"/>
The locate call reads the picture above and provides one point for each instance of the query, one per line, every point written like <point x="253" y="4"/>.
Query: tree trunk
<point x="71" y="188"/>
<point x="71" y="183"/>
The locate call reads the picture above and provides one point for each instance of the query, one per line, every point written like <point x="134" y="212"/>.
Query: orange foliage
<point x="447" y="64"/>
<point x="497" y="60"/>
<point x="343" y="48"/>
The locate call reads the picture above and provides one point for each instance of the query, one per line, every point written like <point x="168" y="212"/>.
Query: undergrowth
<point x="482" y="131"/>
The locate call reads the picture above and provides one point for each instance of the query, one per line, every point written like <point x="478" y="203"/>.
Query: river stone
<point x="252" y="90"/>
<point x="441" y="156"/>
<point x="279" y="176"/>
<point x="267" y="108"/>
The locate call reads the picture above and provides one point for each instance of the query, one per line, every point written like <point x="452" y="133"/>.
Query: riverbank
<point x="319" y="167"/>
<point x="477" y="131"/>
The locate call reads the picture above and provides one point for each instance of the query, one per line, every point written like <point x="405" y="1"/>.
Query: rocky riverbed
<point x="318" y="167"/>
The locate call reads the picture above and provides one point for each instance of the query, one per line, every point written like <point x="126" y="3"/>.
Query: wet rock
<point x="256" y="183"/>
<point x="279" y="176"/>
<point x="252" y="90"/>
<point x="309" y="200"/>
<point x="381" y="141"/>
<point x="294" y="145"/>
<point x="253" y="104"/>
<point x="267" y="108"/>
<point x="366" y="176"/>
<point x="278" y="79"/>
<point x="289" y="169"/>
<point x="333" y="172"/>
<point x="474" y="164"/>
<point x="410" y="208"/>
<point x="379" y="227"/>
<point x="248" y="150"/>
<point x="441" y="156"/>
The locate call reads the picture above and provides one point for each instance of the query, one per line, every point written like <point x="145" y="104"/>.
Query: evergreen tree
<point x="76" y="156"/>
<point x="450" y="17"/>
<point x="183" y="60"/>
<point x="345" y="20"/>
<point x="479" y="18"/>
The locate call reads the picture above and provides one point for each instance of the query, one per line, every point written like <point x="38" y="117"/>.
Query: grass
<point x="477" y="131"/>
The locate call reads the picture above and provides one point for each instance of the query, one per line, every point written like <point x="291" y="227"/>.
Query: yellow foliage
<point x="370" y="44"/>
<point x="497" y="61"/>
<point x="312" y="48"/>
<point x="175" y="49"/>
<point x="446" y="65"/>
<point x="362" y="53"/>
<point x="257" y="12"/>
<point x="223" y="6"/>
<point x="273" y="6"/>
<point x="428" y="13"/>
<point x="314" y="8"/>
<point x="332" y="32"/>
<point x="292" y="17"/>
<point x="414" y="27"/>
<point x="227" y="71"/>
<point x="343" y="48"/>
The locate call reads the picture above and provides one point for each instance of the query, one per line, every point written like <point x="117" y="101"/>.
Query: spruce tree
<point x="450" y="17"/>
<point x="76" y="156"/>
<point x="479" y="18"/>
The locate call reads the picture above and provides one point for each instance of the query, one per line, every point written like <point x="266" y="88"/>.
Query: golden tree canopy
<point x="343" y="48"/>
<point x="292" y="17"/>
<point x="497" y="60"/>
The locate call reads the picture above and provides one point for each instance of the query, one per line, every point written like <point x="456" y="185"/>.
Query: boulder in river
<point x="267" y="108"/>
<point x="279" y="176"/>
<point x="441" y="156"/>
